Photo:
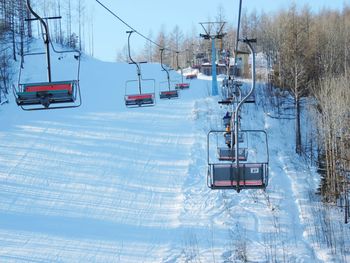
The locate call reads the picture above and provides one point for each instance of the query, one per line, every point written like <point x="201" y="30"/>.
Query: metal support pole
<point x="46" y="41"/>
<point x="214" y="83"/>
<point x="177" y="65"/>
<point x="161" y="64"/>
<point x="212" y="37"/>
<point x="248" y="42"/>
<point x="134" y="62"/>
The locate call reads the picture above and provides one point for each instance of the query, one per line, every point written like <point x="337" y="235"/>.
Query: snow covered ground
<point x="104" y="183"/>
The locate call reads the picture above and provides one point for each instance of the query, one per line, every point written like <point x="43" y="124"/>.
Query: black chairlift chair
<point x="225" y="149"/>
<point x="182" y="85"/>
<point x="233" y="174"/>
<point x="166" y="93"/>
<point x="231" y="91"/>
<point x="41" y="95"/>
<point x="251" y="99"/>
<point x="224" y="173"/>
<point x="138" y="98"/>
<point x="226" y="120"/>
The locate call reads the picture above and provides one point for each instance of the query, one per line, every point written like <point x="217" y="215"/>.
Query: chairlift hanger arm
<point x="177" y="59"/>
<point x="129" y="53"/>
<point x="161" y="61"/>
<point x="134" y="62"/>
<point x="46" y="41"/>
<point x="236" y="120"/>
<point x="37" y="17"/>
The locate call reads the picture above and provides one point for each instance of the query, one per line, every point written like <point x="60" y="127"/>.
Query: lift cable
<point x="136" y="31"/>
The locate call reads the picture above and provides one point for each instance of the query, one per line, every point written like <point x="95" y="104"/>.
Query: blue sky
<point x="149" y="16"/>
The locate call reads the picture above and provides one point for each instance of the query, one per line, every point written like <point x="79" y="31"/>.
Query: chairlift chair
<point x="47" y="93"/>
<point x="41" y="95"/>
<point x="251" y="98"/>
<point x="227" y="96"/>
<point x="166" y="93"/>
<point x="231" y="91"/>
<point x="226" y="120"/>
<point x="228" y="154"/>
<point x="245" y="176"/>
<point x="140" y="98"/>
<point x="182" y="85"/>
<point x="228" y="137"/>
<point x="191" y="76"/>
<point x="224" y="173"/>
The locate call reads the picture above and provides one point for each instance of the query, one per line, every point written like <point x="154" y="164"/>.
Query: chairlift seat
<point x="251" y="99"/>
<point x="171" y="94"/>
<point x="182" y="86"/>
<point x="46" y="93"/>
<point x="237" y="83"/>
<point x="226" y="120"/>
<point x="191" y="76"/>
<point x="227" y="136"/>
<point x="226" y="176"/>
<point x="229" y="154"/>
<point x="48" y="87"/>
<point x="139" y="99"/>
<point x="226" y="101"/>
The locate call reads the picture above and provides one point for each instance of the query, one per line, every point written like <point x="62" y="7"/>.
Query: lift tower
<point x="209" y="27"/>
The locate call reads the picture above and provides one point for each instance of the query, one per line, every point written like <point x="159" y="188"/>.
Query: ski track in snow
<point x="103" y="183"/>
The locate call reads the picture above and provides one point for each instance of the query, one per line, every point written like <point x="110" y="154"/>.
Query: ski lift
<point x="191" y="76"/>
<point x="225" y="151"/>
<point x="226" y="120"/>
<point x="223" y="171"/>
<point x="251" y="99"/>
<point x="182" y="85"/>
<point x="168" y="93"/>
<point x="227" y="123"/>
<point x="227" y="98"/>
<point x="228" y="137"/>
<point x="229" y="172"/>
<point x="41" y="95"/>
<point x="231" y="90"/>
<point x="139" y="99"/>
<point x="228" y="154"/>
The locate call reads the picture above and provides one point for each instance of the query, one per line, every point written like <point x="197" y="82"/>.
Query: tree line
<point x="310" y="58"/>
<point x="309" y="55"/>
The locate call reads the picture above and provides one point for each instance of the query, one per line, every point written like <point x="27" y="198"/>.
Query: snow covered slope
<point x="103" y="183"/>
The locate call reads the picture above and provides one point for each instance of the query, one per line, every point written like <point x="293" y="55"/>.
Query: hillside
<point x="104" y="183"/>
